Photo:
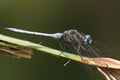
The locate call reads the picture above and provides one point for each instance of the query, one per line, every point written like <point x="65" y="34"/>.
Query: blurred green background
<point x="99" y="18"/>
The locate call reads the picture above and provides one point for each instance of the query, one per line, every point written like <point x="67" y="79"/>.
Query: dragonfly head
<point x="87" y="39"/>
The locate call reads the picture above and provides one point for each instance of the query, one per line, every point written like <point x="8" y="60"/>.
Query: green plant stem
<point x="39" y="47"/>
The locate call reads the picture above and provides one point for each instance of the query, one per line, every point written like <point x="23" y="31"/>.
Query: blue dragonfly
<point x="79" y="42"/>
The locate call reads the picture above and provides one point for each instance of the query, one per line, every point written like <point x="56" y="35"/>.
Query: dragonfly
<point x="79" y="42"/>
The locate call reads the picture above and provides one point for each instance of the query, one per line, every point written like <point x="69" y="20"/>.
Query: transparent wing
<point x="91" y="51"/>
<point x="95" y="49"/>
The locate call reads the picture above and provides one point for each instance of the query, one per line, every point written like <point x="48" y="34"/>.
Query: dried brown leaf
<point x="102" y="62"/>
<point x="14" y="50"/>
<point x="108" y="67"/>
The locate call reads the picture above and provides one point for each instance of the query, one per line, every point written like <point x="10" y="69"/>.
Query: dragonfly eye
<point x="87" y="39"/>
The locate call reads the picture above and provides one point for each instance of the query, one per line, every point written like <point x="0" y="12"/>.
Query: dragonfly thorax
<point x="73" y="36"/>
